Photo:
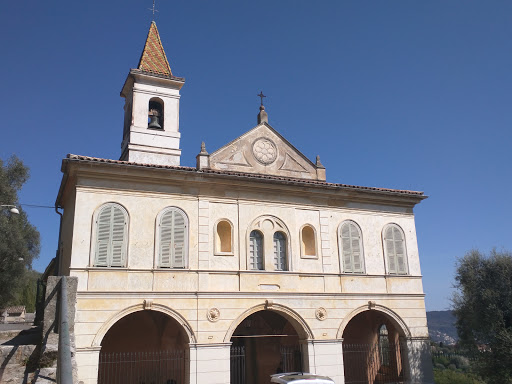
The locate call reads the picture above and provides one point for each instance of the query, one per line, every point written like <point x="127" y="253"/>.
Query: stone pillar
<point x="210" y="363"/>
<point x="326" y="359"/>
<point x="418" y="369"/>
<point x="87" y="360"/>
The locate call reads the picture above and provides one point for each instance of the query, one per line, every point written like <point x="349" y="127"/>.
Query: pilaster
<point x="419" y="361"/>
<point x="326" y="359"/>
<point x="210" y="363"/>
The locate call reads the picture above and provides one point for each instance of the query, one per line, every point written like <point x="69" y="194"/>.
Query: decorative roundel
<point x="265" y="151"/>
<point x="321" y="313"/>
<point x="213" y="315"/>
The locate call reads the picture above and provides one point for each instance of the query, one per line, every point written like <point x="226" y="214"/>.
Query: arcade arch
<point x="145" y="346"/>
<point x="265" y="342"/>
<point x="374" y="349"/>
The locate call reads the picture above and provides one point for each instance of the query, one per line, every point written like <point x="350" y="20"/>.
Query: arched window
<point x="224" y="238"/>
<point x="256" y="250"/>
<point x="156" y="113"/>
<point x="351" y="247"/>
<point x="308" y="241"/>
<point x="268" y="247"/>
<point x="173" y="238"/>
<point x="280" y="251"/>
<point x="111" y="233"/>
<point x="394" y="249"/>
<point x="384" y="349"/>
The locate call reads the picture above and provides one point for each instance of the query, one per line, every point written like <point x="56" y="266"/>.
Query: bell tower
<point x="151" y="110"/>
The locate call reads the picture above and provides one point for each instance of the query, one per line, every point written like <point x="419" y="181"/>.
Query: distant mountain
<point x="441" y="327"/>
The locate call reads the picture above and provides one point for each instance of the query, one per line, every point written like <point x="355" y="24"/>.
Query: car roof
<point x="300" y="378"/>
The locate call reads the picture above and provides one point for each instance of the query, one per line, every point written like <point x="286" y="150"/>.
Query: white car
<point x="299" y="378"/>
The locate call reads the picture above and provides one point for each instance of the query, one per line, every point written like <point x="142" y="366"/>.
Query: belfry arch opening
<point x="373" y="349"/>
<point x="156" y="113"/>
<point x="265" y="343"/>
<point x="145" y="346"/>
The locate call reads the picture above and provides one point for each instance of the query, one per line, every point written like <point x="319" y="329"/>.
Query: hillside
<point x="441" y="327"/>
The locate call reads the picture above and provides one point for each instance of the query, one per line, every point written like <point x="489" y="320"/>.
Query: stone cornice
<point x="327" y="194"/>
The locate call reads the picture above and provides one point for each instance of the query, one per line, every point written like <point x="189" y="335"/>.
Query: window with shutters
<point x="172" y="238"/>
<point x="394" y="249"/>
<point x="224" y="238"/>
<point x="111" y="231"/>
<point x="308" y="242"/>
<point x="268" y="245"/>
<point x="280" y="251"/>
<point x="350" y="245"/>
<point x="256" y="251"/>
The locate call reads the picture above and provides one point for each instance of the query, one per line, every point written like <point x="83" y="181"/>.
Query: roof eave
<point x="413" y="197"/>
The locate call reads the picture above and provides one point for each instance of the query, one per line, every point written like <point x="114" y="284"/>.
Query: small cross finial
<point x="261" y="95"/>
<point x="154" y="10"/>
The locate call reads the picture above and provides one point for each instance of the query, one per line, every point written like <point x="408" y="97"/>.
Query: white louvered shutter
<point x="118" y="227"/>
<point x="165" y="240"/>
<point x="256" y="250"/>
<point x="389" y="243"/>
<point x="395" y="249"/>
<point x="346" y="248"/>
<point x="110" y="237"/>
<point x="355" y="242"/>
<point x="279" y="251"/>
<point x="103" y="237"/>
<point x="178" y="243"/>
<point x="399" y="251"/>
<point x="351" y="248"/>
<point x="173" y="231"/>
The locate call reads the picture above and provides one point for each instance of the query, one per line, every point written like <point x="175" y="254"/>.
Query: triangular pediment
<point x="263" y="150"/>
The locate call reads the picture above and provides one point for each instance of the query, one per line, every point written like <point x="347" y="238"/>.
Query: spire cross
<point x="261" y="95"/>
<point x="154" y="10"/>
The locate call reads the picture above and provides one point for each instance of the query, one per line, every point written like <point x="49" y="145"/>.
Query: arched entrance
<point x="264" y="343"/>
<point x="372" y="349"/>
<point x="144" y="347"/>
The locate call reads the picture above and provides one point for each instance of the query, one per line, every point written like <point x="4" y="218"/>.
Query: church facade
<point x="246" y="265"/>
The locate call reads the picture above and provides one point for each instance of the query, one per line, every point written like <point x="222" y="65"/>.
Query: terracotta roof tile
<point x="250" y="175"/>
<point x="153" y="59"/>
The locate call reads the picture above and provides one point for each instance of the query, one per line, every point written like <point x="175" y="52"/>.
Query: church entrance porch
<point x="264" y="343"/>
<point x="373" y="350"/>
<point x="144" y="347"/>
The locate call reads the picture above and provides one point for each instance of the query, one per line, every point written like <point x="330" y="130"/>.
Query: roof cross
<point x="261" y="95"/>
<point x="154" y="10"/>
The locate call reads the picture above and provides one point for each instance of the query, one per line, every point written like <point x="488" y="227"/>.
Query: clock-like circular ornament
<point x="264" y="150"/>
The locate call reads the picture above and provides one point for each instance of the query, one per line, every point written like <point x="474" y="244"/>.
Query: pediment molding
<point x="263" y="150"/>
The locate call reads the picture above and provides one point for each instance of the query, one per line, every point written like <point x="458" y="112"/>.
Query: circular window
<point x="265" y="151"/>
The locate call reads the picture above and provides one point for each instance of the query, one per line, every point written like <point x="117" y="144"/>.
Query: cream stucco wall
<point x="224" y="281"/>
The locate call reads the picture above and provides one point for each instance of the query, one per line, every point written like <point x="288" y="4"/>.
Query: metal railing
<point x="373" y="364"/>
<point x="64" y="368"/>
<point x="154" y="367"/>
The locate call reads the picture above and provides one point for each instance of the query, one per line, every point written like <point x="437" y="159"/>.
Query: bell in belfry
<point x="154" y="119"/>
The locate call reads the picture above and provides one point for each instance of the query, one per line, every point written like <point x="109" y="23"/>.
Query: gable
<point x="263" y="150"/>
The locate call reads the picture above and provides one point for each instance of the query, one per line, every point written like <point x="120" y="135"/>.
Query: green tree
<point x="19" y="240"/>
<point x="483" y="309"/>
<point x="26" y="294"/>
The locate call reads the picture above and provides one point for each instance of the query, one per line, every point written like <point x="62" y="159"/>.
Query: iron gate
<point x="237" y="365"/>
<point x="159" y="367"/>
<point x="291" y="361"/>
<point x="291" y="358"/>
<point x="373" y="364"/>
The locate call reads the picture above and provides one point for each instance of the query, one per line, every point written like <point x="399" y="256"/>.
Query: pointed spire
<point x="318" y="163"/>
<point x="203" y="148"/>
<point x="203" y="158"/>
<point x="153" y="57"/>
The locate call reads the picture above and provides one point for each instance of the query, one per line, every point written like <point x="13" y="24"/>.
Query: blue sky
<point x="397" y="94"/>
